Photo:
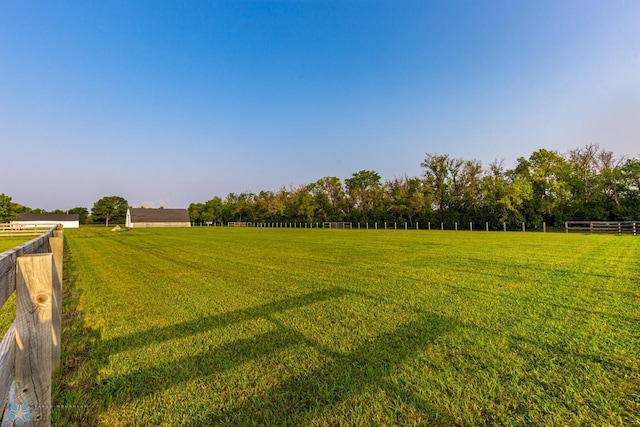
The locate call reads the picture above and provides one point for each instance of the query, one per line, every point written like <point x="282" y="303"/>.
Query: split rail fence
<point x="22" y="230"/>
<point x="619" y="227"/>
<point x="379" y="226"/>
<point x="612" y="227"/>
<point x="30" y="350"/>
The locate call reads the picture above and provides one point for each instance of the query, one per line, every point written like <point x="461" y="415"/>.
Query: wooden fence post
<point x="7" y="360"/>
<point x="504" y="226"/>
<point x="486" y="226"/>
<point x="471" y="226"/>
<point x="523" y="227"/>
<point x="56" y="244"/>
<point x="544" y="227"/>
<point x="34" y="306"/>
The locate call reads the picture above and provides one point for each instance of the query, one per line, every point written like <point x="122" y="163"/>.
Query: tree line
<point x="106" y="209"/>
<point x="588" y="183"/>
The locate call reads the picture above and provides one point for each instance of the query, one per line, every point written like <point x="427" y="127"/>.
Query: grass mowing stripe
<point x="315" y="327"/>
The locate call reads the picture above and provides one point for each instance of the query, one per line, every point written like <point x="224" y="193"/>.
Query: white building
<point x="47" y="220"/>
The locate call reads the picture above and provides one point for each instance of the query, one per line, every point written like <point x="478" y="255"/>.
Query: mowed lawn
<point x="233" y="326"/>
<point x="8" y="310"/>
<point x="7" y="242"/>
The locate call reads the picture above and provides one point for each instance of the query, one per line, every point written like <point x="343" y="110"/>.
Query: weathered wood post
<point x="471" y="226"/>
<point x="417" y="228"/>
<point x="7" y="360"/>
<point x="566" y="226"/>
<point x="523" y="227"/>
<point x="429" y="226"/>
<point x="486" y="226"/>
<point x="456" y="225"/>
<point x="56" y="244"/>
<point x="504" y="226"/>
<point x="544" y="227"/>
<point x="634" y="228"/>
<point x="442" y="226"/>
<point x="34" y="332"/>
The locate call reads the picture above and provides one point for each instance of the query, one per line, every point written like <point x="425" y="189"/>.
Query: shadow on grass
<point x="84" y="353"/>
<point x="81" y="396"/>
<point x="194" y="327"/>
<point x="295" y="400"/>
<point x="290" y="402"/>
<point x="71" y="386"/>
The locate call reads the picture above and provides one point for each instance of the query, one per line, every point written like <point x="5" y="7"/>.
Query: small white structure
<point x="147" y="218"/>
<point x="47" y="220"/>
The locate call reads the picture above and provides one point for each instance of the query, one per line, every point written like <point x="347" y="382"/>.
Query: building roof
<point x="159" y="215"/>
<point x="49" y="217"/>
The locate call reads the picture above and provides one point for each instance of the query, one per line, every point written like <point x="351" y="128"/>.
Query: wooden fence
<point x="612" y="227"/>
<point x="30" y="350"/>
<point x="22" y="229"/>
<point x="403" y="225"/>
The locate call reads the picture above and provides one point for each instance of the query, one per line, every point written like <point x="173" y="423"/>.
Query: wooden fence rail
<point x="30" y="350"/>
<point x="613" y="227"/>
<point x="22" y="229"/>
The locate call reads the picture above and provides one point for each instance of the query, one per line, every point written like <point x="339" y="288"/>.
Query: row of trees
<point x="588" y="183"/>
<point x="10" y="211"/>
<point x="109" y="208"/>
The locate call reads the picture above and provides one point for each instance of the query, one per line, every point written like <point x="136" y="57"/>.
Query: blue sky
<point x="171" y="102"/>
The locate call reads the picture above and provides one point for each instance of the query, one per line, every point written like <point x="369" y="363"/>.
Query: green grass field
<point x="9" y="242"/>
<point x="8" y="310"/>
<point x="217" y="326"/>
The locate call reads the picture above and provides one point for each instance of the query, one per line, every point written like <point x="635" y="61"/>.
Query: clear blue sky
<point x="172" y="102"/>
